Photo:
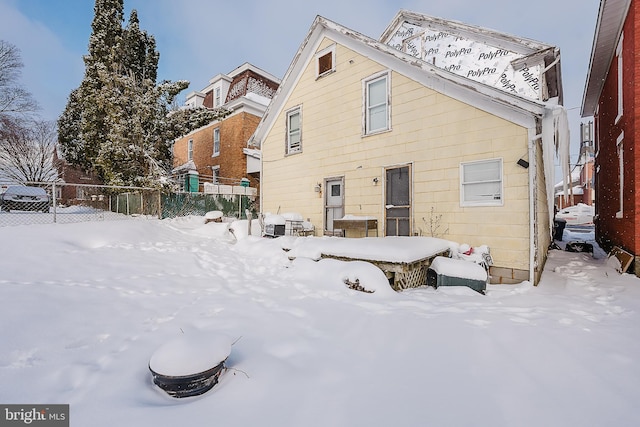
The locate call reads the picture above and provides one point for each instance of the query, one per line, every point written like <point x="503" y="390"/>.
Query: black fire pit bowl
<point x="188" y="385"/>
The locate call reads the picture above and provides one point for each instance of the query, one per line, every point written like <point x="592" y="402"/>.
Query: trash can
<point x="445" y="271"/>
<point x="558" y="228"/>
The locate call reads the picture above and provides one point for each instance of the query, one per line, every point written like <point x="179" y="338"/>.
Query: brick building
<point x="218" y="152"/>
<point x="76" y="185"/>
<point x="612" y="97"/>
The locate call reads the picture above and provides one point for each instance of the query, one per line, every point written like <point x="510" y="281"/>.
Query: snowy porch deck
<point x="404" y="260"/>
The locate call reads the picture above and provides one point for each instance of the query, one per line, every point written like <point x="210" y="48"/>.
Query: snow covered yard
<point x="86" y="305"/>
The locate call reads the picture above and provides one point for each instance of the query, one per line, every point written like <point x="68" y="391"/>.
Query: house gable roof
<point x="611" y="17"/>
<point x="521" y="66"/>
<point x="503" y="104"/>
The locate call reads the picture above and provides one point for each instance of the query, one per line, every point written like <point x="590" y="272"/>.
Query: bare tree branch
<point x="26" y="150"/>
<point x="13" y="98"/>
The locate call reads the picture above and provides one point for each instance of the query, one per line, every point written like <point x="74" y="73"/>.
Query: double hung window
<point x="294" y="131"/>
<point x="216" y="141"/>
<point x="376" y="104"/>
<point x="481" y="183"/>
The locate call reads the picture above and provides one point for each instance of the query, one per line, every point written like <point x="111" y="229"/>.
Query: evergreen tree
<point x="139" y="55"/>
<point x="106" y="34"/>
<point x="82" y="124"/>
<point x="116" y="122"/>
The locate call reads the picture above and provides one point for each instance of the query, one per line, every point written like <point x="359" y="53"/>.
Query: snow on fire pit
<point x="189" y="365"/>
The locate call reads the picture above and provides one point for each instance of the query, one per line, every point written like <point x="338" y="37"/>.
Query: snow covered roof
<point x="575" y="177"/>
<point x="517" y="65"/>
<point x="252" y="152"/>
<point x="387" y="249"/>
<point x="250" y="67"/>
<point x="263" y="100"/>
<point x="251" y="103"/>
<point x="186" y="167"/>
<point x="611" y="17"/>
<point x="575" y="190"/>
<point x="508" y="105"/>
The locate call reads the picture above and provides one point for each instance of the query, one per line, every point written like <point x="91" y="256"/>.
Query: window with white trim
<point x="596" y="127"/>
<point x="216" y="142"/>
<point x="190" y="150"/>
<point x="481" y="183"/>
<point x="215" y="172"/>
<point x="376" y="104"/>
<point x="294" y="131"/>
<point x="217" y="97"/>
<point x="326" y="61"/>
<point x="620" y="147"/>
<point x="620" y="78"/>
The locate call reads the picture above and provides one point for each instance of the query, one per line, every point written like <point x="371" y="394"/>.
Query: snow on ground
<point x="86" y="305"/>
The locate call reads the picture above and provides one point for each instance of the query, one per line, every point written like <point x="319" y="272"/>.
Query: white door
<point x="333" y="203"/>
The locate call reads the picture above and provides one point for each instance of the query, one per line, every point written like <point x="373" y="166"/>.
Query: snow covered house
<point x="611" y="96"/>
<point x="581" y="188"/>
<point x="218" y="153"/>
<point x="438" y="128"/>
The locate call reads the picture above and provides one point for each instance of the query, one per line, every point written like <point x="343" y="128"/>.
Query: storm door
<point x="333" y="203"/>
<point x="398" y="201"/>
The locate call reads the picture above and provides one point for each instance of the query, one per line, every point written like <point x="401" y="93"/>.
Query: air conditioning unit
<point x="274" y="230"/>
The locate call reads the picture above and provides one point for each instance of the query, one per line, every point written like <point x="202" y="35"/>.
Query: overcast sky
<point x="198" y="39"/>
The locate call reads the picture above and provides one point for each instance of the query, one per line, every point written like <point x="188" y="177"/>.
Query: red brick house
<point x="612" y="97"/>
<point x="76" y="186"/>
<point x="218" y="152"/>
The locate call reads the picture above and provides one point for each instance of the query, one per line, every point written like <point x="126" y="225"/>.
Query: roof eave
<point x="515" y="43"/>
<point x="611" y="17"/>
<point x="418" y="69"/>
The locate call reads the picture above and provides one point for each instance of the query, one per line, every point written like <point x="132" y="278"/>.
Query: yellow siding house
<point x="389" y="131"/>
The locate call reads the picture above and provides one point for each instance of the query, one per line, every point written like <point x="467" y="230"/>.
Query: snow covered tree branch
<point x="116" y="123"/>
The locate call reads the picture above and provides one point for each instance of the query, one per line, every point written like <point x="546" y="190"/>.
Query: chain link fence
<point x="49" y="202"/>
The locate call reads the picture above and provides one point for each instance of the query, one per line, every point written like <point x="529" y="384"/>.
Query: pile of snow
<point x="292" y="216"/>
<point x="87" y="304"/>
<point x="480" y="255"/>
<point x="190" y="354"/>
<point x="458" y="268"/>
<point x="240" y="228"/>
<point x="273" y="219"/>
<point x="213" y="216"/>
<point x="358" y="218"/>
<point x="390" y="249"/>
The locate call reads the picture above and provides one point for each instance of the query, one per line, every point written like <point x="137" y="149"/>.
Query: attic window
<point x="325" y="61"/>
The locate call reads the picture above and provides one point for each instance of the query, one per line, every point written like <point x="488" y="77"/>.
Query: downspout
<point x="261" y="180"/>
<point x="533" y="166"/>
